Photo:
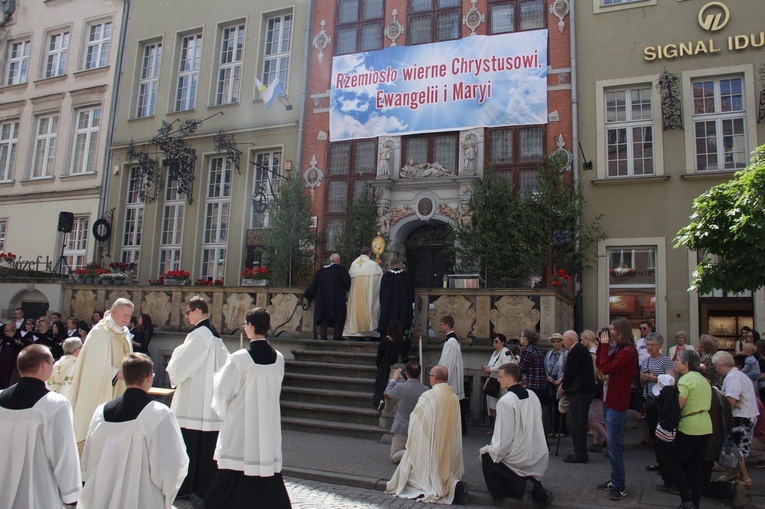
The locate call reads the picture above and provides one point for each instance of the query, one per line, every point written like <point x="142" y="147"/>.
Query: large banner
<point x="478" y="81"/>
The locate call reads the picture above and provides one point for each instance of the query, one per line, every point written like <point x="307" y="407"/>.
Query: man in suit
<point x="329" y="287"/>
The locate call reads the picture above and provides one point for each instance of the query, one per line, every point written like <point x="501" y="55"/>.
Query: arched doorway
<point x="427" y="256"/>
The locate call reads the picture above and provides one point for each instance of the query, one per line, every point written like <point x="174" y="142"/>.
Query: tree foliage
<point x="289" y="242"/>
<point x="360" y="228"/>
<point x="513" y="236"/>
<point x="728" y="228"/>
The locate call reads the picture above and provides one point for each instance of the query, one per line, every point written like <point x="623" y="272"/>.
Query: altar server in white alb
<point x="364" y="298"/>
<point x="432" y="466"/>
<point x="40" y="467"/>
<point x="134" y="457"/>
<point x="451" y="359"/>
<point x="249" y="450"/>
<point x="191" y="369"/>
<point x="97" y="378"/>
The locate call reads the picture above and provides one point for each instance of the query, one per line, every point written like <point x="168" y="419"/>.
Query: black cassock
<point x="396" y="299"/>
<point x="329" y="288"/>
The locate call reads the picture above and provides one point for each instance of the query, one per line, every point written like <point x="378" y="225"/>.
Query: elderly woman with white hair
<point x="681" y="343"/>
<point x="61" y="379"/>
<point x="739" y="391"/>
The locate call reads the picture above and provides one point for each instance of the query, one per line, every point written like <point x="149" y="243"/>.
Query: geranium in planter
<point x="7" y="257"/>
<point x="255" y="277"/>
<point x="559" y="278"/>
<point x="176" y="277"/>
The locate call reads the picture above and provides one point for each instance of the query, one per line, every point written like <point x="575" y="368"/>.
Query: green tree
<point x="515" y="236"/>
<point x="728" y="228"/>
<point x="361" y="226"/>
<point x="288" y="243"/>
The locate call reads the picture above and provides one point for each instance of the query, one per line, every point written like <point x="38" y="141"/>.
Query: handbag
<point x="729" y="456"/>
<point x="491" y="387"/>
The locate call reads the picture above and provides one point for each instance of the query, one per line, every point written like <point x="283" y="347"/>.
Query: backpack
<point x="668" y="409"/>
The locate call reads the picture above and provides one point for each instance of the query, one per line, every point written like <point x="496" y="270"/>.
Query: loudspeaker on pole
<point x="65" y="222"/>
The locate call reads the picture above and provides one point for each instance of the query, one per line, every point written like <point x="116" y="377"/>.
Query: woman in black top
<point x="143" y="335"/>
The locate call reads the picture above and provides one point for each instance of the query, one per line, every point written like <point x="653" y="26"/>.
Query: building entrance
<point x="427" y="256"/>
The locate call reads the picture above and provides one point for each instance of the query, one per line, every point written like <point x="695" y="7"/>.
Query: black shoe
<point x="575" y="459"/>
<point x="196" y="501"/>
<point x="617" y="493"/>
<point x="548" y="500"/>
<point x="652" y="468"/>
<point x="606" y="486"/>
<point x="461" y="493"/>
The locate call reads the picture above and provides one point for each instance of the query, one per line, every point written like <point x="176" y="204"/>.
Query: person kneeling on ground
<point x="518" y="449"/>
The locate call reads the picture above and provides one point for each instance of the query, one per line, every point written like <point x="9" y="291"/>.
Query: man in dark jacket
<point x="396" y="297"/>
<point x="329" y="287"/>
<point x="579" y="385"/>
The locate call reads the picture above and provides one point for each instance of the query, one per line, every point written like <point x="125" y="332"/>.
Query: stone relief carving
<point x="281" y="307"/>
<point x="461" y="309"/>
<point x="236" y="306"/>
<point x="84" y="302"/>
<point x="313" y="176"/>
<point x="158" y="305"/>
<point x="383" y="217"/>
<point x="448" y="211"/>
<point x="512" y="314"/>
<point x="469" y="153"/>
<point x="399" y="213"/>
<point x="321" y="41"/>
<point x="384" y="151"/>
<point x="565" y="157"/>
<point x="466" y="214"/>
<point x="114" y="295"/>
<point x="424" y="170"/>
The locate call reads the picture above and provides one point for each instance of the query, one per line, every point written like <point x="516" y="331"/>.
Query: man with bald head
<point x="329" y="287"/>
<point x="97" y="376"/>
<point x="431" y="467"/>
<point x="579" y="386"/>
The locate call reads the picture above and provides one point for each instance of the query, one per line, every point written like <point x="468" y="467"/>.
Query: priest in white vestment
<point x="61" y="379"/>
<point x="249" y="451"/>
<point x="518" y="450"/>
<point x="134" y="456"/>
<point x="40" y="467"/>
<point x="97" y="376"/>
<point x="432" y="466"/>
<point x="191" y="369"/>
<point x="364" y="298"/>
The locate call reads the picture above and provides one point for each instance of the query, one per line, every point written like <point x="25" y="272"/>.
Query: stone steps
<point x="328" y="389"/>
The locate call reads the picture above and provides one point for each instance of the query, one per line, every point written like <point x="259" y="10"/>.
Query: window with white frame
<point x="98" y="45"/>
<point x="17" y="62"/>
<point x="629" y="131"/>
<point x="276" y="60"/>
<point x="515" y="16"/>
<point x="230" y="65"/>
<point x="149" y="79"/>
<point x="632" y="283"/>
<point x="434" y="21"/>
<point x="217" y="204"/>
<point x="188" y="72"/>
<point x="75" y="248"/>
<point x="88" y="122"/>
<point x="267" y="169"/>
<point x="719" y="123"/>
<point x="46" y="133"/>
<point x="359" y="26"/>
<point x="9" y="138"/>
<point x="3" y="233"/>
<point x="56" y="54"/>
<point x="131" y="233"/>
<point x="172" y="227"/>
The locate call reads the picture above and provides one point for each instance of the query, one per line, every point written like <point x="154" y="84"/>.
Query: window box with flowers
<point x="128" y="268"/>
<point x="98" y="272"/>
<point x="7" y="258"/>
<point x="176" y="278"/>
<point x="121" y="278"/>
<point x="208" y="282"/>
<point x="107" y="278"/>
<point x="255" y="277"/>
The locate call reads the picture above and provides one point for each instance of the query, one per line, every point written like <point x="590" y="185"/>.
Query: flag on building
<point x="269" y="93"/>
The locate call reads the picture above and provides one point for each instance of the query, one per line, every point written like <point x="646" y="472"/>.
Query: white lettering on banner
<point x="404" y="89"/>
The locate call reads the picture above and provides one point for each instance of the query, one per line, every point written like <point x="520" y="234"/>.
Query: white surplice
<point x="432" y="463"/>
<point x="61" y="379"/>
<point x="99" y="361"/>
<point x="136" y="464"/>
<point x="246" y="397"/>
<point x="40" y="467"/>
<point x="519" y="438"/>
<point x="451" y="359"/>
<point x="364" y="298"/>
<point x="191" y="369"/>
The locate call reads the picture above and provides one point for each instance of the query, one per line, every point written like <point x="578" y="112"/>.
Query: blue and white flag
<point x="270" y="93"/>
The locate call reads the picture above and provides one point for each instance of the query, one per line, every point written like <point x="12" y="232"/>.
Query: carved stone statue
<point x="424" y="170"/>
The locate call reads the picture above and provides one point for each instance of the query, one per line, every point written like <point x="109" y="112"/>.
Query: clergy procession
<point x="85" y="431"/>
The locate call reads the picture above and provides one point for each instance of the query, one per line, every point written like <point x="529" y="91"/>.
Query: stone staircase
<point x="328" y="389"/>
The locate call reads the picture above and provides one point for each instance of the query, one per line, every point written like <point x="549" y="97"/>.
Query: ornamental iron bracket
<point x="227" y="143"/>
<point x="668" y="85"/>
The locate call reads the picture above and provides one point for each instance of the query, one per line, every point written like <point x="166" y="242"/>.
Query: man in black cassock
<point x="329" y="287"/>
<point x="396" y="297"/>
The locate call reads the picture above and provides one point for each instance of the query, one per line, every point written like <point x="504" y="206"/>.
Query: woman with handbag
<point x="693" y="431"/>
<point x="499" y="356"/>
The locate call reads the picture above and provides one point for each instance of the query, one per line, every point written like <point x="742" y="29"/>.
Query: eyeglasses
<point x="643" y="328"/>
<point x="188" y="311"/>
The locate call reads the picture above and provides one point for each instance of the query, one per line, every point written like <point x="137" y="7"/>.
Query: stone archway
<point x="33" y="302"/>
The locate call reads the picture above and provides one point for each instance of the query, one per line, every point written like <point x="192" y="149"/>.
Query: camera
<point x="606" y="330"/>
